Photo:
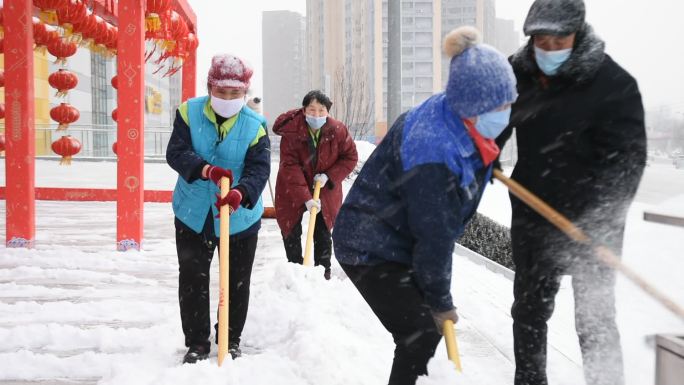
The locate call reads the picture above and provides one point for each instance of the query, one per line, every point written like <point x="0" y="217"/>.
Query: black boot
<point x="234" y="350"/>
<point x="326" y="274"/>
<point x="195" y="353"/>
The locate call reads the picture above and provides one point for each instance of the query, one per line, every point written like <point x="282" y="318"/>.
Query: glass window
<point x="423" y="84"/>
<point x="407" y="66"/>
<point x="424" y="53"/>
<point x="423" y="38"/>
<point x="424" y="69"/>
<point x="423" y="22"/>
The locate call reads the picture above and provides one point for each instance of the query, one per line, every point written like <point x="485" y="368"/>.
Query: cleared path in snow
<point x="75" y="311"/>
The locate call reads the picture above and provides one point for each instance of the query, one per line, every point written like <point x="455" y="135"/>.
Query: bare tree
<point x="353" y="103"/>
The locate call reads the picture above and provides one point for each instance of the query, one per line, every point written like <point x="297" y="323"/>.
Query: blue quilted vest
<point x="192" y="201"/>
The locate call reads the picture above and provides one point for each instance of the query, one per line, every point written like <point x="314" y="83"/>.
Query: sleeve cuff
<point x="245" y="202"/>
<point x="197" y="173"/>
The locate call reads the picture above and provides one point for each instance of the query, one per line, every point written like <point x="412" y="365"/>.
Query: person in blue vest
<point x="217" y="136"/>
<point x="395" y="233"/>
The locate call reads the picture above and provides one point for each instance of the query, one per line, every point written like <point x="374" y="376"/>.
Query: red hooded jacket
<point x="334" y="156"/>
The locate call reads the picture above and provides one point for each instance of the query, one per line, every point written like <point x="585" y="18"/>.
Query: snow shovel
<point x="223" y="274"/>
<point x="451" y="345"/>
<point x="269" y="212"/>
<point x="312" y="224"/>
<point x="603" y="253"/>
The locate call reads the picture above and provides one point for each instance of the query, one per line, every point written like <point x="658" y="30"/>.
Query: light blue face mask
<point x="550" y="61"/>
<point x="315" y="122"/>
<point x="491" y="124"/>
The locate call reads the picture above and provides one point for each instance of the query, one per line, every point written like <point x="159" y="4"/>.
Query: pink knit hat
<point x="228" y="71"/>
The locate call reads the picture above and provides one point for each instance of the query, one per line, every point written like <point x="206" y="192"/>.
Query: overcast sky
<point x="645" y="37"/>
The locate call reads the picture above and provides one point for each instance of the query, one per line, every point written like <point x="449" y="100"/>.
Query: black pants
<point x="541" y="259"/>
<point x="322" y="243"/>
<point x="195" y="252"/>
<point x="392" y="294"/>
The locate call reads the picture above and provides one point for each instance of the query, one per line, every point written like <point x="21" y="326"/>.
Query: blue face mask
<point x="315" y="122"/>
<point x="550" y="61"/>
<point x="491" y="124"/>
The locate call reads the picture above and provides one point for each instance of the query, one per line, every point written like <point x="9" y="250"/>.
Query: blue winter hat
<point x="480" y="77"/>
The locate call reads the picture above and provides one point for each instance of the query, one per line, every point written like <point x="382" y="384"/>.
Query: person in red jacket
<point x="314" y="147"/>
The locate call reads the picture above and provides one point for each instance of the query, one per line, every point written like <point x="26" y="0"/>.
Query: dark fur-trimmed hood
<point x="585" y="60"/>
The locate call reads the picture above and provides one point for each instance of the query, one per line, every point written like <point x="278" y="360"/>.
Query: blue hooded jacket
<point x="413" y="198"/>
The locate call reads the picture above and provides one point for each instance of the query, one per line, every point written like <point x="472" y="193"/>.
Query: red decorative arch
<point x="20" y="191"/>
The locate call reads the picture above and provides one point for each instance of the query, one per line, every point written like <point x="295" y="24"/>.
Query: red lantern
<point x="63" y="81"/>
<point x="39" y="33"/>
<point x="83" y="25"/>
<point x="88" y="29"/>
<point x="115" y="115"/>
<point x="2" y="110"/>
<point x="2" y="78"/>
<point x="100" y="36"/>
<point x="177" y="26"/>
<point x="115" y="82"/>
<point x="61" y="49"/>
<point x="67" y="147"/>
<point x="70" y="14"/>
<point x="64" y="114"/>
<point x="112" y="39"/>
<point x="42" y="35"/>
<point x="155" y="8"/>
<point x="114" y="148"/>
<point x="2" y="141"/>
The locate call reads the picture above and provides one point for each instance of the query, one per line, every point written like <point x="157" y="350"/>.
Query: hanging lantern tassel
<point x="152" y="22"/>
<point x="48" y="16"/>
<point x="66" y="147"/>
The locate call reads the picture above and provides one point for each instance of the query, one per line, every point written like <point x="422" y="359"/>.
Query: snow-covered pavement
<point x="73" y="310"/>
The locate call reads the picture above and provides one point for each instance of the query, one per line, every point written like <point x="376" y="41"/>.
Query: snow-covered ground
<point x="73" y="310"/>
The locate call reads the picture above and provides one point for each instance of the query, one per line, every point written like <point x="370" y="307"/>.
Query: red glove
<point x="215" y="173"/>
<point x="233" y="200"/>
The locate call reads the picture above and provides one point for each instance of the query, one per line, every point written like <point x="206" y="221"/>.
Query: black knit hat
<point x="554" y="17"/>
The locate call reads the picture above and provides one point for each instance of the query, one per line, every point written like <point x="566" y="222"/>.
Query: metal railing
<point x="97" y="139"/>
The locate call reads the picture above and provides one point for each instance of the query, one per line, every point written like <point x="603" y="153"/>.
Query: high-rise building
<point x="325" y="42"/>
<point x="507" y="39"/>
<point x="363" y="51"/>
<point x="284" y="62"/>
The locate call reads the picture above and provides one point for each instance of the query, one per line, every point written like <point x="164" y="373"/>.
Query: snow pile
<point x="364" y="149"/>
<point x="75" y="310"/>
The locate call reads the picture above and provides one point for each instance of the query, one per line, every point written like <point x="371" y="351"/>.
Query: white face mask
<point x="227" y="107"/>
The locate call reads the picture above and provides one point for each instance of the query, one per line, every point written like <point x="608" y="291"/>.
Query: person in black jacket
<point x="579" y="124"/>
<point x="395" y="233"/>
